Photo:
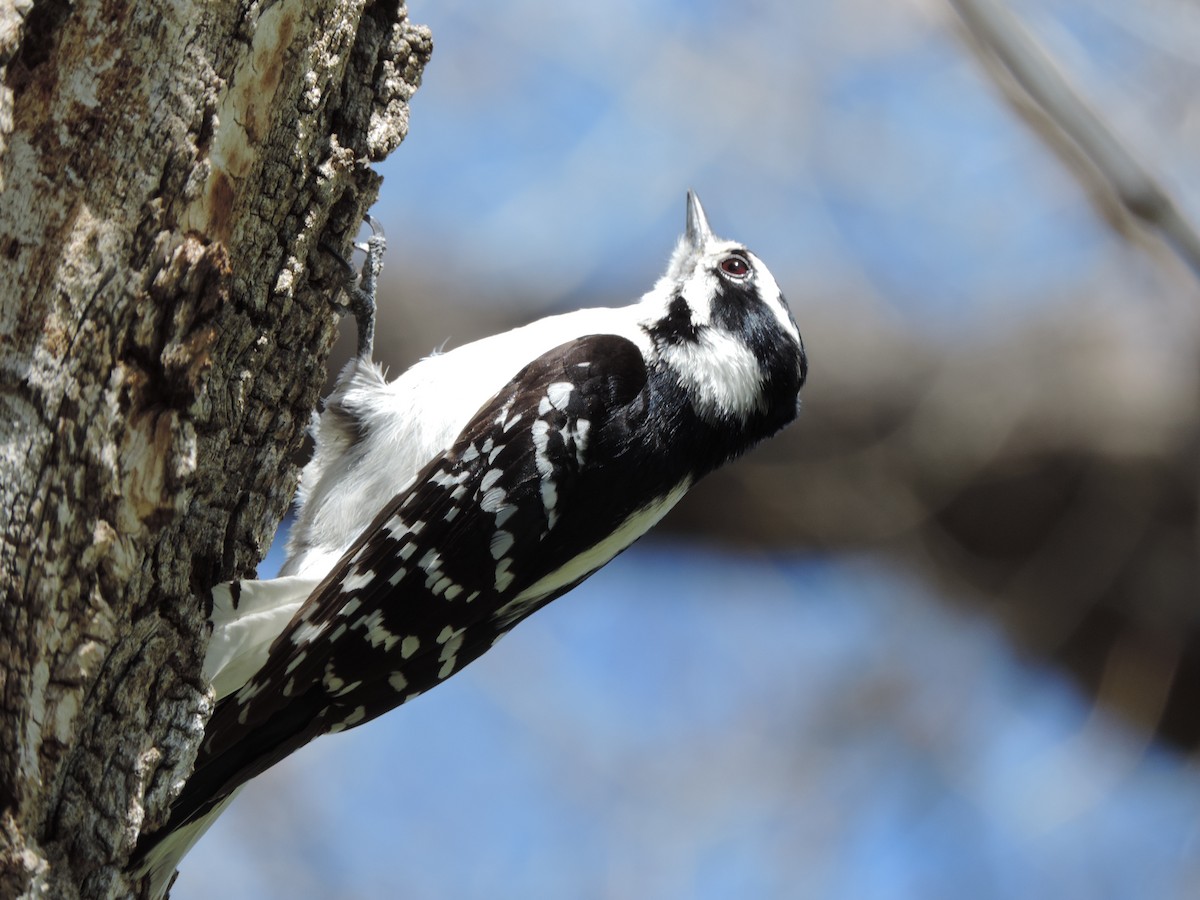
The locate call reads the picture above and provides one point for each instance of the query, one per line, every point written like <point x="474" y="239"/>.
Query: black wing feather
<point x="391" y="621"/>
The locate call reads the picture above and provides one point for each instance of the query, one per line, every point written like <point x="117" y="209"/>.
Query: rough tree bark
<point x="178" y="180"/>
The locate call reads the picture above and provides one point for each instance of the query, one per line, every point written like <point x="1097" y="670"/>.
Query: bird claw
<point x="363" y="285"/>
<point x="362" y="294"/>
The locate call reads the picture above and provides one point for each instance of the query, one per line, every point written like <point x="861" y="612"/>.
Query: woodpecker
<point x="442" y="508"/>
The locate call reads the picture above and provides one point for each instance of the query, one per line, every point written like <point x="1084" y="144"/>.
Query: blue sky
<point x="552" y="152"/>
<point x="693" y="723"/>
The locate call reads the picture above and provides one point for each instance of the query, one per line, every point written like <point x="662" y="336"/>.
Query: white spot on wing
<point x="580" y="432"/>
<point x="306" y="633"/>
<point x="504" y="578"/>
<point x="449" y="654"/>
<point x="559" y="394"/>
<point x="447" y="479"/>
<point x="550" y="500"/>
<point x="502" y="542"/>
<point x="377" y="633"/>
<point x="350" y="721"/>
<point x="453" y="645"/>
<point x="541" y="441"/>
<point x="591" y="559"/>
<point x="332" y="681"/>
<point x="493" y="500"/>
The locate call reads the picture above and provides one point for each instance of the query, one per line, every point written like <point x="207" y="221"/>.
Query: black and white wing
<point x="548" y="482"/>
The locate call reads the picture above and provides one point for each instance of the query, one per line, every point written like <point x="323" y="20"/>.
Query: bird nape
<point x="442" y="508"/>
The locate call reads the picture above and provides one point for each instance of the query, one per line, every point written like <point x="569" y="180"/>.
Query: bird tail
<point x="163" y="855"/>
<point x="247" y="616"/>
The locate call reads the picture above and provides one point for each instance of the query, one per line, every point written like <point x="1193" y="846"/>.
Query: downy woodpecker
<point x="442" y="508"/>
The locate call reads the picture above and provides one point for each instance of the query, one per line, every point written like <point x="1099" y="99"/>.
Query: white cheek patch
<point x="720" y="374"/>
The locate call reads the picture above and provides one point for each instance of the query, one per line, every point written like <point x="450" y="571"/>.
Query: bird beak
<point x="698" y="233"/>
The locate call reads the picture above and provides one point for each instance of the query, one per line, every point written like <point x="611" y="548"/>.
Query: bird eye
<point x="735" y="266"/>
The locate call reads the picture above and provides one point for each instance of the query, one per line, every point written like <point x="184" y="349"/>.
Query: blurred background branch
<point x="1036" y="86"/>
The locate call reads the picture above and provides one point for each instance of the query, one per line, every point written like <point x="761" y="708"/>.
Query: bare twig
<point x="998" y="33"/>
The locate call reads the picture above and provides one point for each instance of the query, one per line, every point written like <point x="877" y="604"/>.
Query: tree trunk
<point x="178" y="182"/>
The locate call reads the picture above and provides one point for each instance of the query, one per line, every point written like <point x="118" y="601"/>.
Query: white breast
<point x="411" y="420"/>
